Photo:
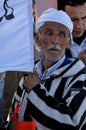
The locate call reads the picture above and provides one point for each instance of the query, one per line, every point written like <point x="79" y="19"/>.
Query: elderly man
<point x="56" y="90"/>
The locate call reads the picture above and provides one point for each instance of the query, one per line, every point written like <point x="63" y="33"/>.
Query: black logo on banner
<point x="7" y="10"/>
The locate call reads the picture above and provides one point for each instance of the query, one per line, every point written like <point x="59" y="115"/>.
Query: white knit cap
<point x="54" y="15"/>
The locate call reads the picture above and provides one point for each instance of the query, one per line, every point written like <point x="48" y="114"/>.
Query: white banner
<point x="16" y="35"/>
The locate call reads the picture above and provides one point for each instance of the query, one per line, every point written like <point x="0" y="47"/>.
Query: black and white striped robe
<point x="58" y="102"/>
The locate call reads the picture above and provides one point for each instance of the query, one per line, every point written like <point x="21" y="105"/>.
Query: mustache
<point x="54" y="46"/>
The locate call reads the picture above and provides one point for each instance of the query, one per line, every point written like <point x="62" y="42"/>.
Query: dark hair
<point x="34" y="2"/>
<point x="63" y="3"/>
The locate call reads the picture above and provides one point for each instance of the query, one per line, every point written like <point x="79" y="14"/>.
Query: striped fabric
<point x="59" y="102"/>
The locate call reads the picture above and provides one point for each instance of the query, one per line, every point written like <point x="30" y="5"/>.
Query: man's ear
<point x="37" y="39"/>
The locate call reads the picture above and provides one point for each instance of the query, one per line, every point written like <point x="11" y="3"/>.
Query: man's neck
<point x="80" y="39"/>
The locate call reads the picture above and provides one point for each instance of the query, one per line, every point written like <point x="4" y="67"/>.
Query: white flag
<point x="16" y="35"/>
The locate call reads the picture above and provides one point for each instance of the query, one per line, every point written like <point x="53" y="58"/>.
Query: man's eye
<point x="62" y="34"/>
<point x="74" y="19"/>
<point x="49" y="32"/>
<point x="84" y="18"/>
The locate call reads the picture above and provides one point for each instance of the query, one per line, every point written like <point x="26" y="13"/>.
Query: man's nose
<point x="55" y="38"/>
<point x="80" y="23"/>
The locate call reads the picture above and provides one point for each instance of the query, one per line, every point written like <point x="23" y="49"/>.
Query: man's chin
<point x="77" y="35"/>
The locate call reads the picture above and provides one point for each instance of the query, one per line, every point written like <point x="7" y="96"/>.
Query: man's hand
<point x="31" y="80"/>
<point x="82" y="56"/>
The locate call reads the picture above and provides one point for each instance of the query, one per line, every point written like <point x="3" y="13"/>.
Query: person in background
<point x="35" y="13"/>
<point x="2" y="82"/>
<point x="76" y="9"/>
<point x="56" y="89"/>
<point x="37" y="53"/>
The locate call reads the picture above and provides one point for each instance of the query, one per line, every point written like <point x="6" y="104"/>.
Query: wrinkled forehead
<point x="54" y="26"/>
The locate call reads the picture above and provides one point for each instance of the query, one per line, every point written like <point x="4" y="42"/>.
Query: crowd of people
<point x="57" y="97"/>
